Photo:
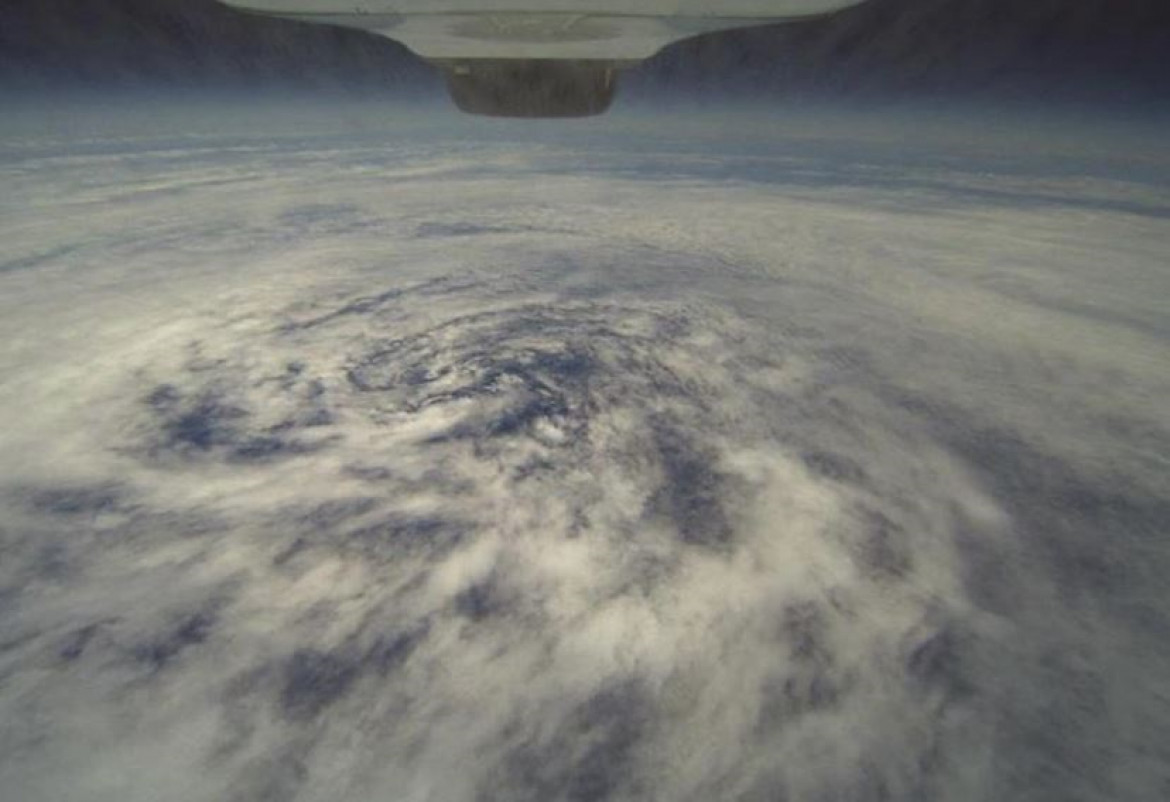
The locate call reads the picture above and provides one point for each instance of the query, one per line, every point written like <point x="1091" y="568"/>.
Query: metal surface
<point x="541" y="29"/>
<point x="481" y="35"/>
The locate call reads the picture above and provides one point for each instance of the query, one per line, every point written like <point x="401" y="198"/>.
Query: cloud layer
<point x="477" y="470"/>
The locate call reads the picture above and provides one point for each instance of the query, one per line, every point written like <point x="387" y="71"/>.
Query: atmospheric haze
<point x="669" y="457"/>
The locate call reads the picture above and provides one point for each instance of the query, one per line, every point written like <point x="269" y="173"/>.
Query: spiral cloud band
<point x="482" y="471"/>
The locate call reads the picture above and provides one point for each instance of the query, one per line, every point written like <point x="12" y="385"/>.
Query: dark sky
<point x="1092" y="49"/>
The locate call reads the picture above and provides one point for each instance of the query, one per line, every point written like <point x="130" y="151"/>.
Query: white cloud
<point x="343" y="468"/>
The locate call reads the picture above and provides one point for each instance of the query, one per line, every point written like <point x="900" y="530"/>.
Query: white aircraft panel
<point x="616" y="30"/>
<point x="751" y="9"/>
<point x="491" y="50"/>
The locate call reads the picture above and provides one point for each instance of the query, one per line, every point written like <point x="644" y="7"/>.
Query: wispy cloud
<point x="344" y="469"/>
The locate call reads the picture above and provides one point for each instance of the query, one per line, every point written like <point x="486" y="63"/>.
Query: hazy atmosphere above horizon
<point x="796" y="430"/>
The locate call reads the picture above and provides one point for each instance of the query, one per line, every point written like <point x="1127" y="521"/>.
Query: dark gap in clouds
<point x="271" y="778"/>
<point x="444" y="230"/>
<point x="693" y="493"/>
<point x="162" y="648"/>
<point x="213" y="422"/>
<point x="38" y="260"/>
<point x="804" y="629"/>
<point x="382" y="369"/>
<point x="262" y="449"/>
<point x="437" y="479"/>
<point x="296" y="547"/>
<point x="14" y="646"/>
<point x="487" y="598"/>
<point x="312" y="680"/>
<point x="76" y="500"/>
<point x="321" y="524"/>
<point x="390" y="652"/>
<point x="590" y="757"/>
<point x="54" y="562"/>
<point x="790" y="696"/>
<point x="149" y="522"/>
<point x="206" y="421"/>
<point x="834" y="466"/>
<point x="375" y="474"/>
<point x="71" y="528"/>
<point x="881" y="548"/>
<point x="412" y="534"/>
<point x="942" y="661"/>
<point x="539" y="402"/>
<point x="535" y="468"/>
<point x="329" y="514"/>
<point x="524" y="385"/>
<point x="371" y="304"/>
<point x="74" y="645"/>
<point x="164" y="397"/>
<point x="809" y="681"/>
<point x="390" y="536"/>
<point x="1148" y="323"/>
<point x="324" y="219"/>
